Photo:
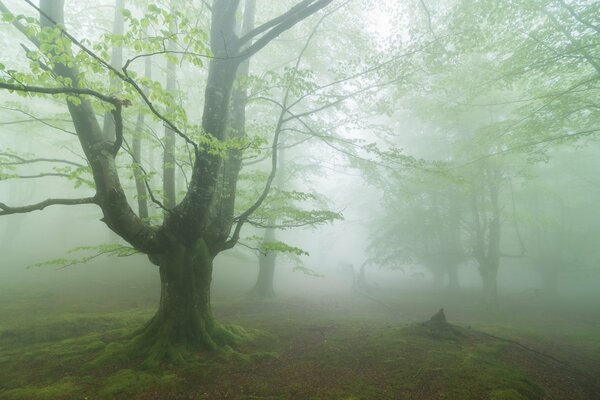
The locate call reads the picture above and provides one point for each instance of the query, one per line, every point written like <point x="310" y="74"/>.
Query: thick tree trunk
<point x="184" y="321"/>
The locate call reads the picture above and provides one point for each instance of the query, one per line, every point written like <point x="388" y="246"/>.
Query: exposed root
<point x="161" y="343"/>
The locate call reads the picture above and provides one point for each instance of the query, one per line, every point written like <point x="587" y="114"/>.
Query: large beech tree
<point x="202" y="224"/>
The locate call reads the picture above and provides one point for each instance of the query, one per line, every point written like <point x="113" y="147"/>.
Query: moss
<point x="128" y="382"/>
<point x="95" y="346"/>
<point x="60" y="390"/>
<point x="506" y="394"/>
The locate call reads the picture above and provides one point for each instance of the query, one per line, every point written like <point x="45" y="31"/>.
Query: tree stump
<point x="439" y="328"/>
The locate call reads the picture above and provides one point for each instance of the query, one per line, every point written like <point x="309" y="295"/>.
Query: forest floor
<point x="358" y="346"/>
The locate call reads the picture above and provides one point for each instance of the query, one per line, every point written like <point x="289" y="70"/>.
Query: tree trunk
<point x="136" y="146"/>
<point x="266" y="272"/>
<point x="184" y="321"/>
<point x="263" y="288"/>
<point x="116" y="60"/>
<point x="489" y="278"/>
<point x="453" y="283"/>
<point x="169" y="192"/>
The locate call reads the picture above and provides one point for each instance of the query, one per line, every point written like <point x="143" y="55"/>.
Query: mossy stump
<point x="438" y="327"/>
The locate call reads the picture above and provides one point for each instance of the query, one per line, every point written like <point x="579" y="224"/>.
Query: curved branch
<point x="243" y="218"/>
<point x="22" y="160"/>
<point x="40" y="120"/>
<point x="63" y="90"/>
<point x="280" y="24"/>
<point x="6" y="210"/>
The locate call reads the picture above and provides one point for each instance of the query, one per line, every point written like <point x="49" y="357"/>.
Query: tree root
<point x="156" y="344"/>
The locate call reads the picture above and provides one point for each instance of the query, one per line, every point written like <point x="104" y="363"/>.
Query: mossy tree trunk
<point x="184" y="321"/>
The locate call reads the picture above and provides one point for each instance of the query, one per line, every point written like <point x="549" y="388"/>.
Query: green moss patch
<point x="61" y="390"/>
<point x="293" y="355"/>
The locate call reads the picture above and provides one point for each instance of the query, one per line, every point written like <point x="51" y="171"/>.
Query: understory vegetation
<point x="349" y="348"/>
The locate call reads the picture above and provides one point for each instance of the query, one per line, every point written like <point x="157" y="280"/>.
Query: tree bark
<point x="136" y="147"/>
<point x="184" y="320"/>
<point x="169" y="191"/>
<point x="266" y="270"/>
<point x="116" y="60"/>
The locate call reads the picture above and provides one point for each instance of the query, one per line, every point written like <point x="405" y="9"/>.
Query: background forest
<point x="250" y="199"/>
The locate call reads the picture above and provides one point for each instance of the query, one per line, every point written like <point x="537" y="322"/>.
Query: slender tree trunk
<point x="489" y="277"/>
<point x="453" y="283"/>
<point x="136" y="144"/>
<point x="169" y="192"/>
<point x="116" y="60"/>
<point x="266" y="270"/>
<point x="361" y="281"/>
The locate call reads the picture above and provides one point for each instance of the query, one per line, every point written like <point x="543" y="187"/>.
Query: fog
<point x="219" y="199"/>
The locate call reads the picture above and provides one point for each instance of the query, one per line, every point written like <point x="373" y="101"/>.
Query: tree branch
<point x="21" y="160"/>
<point x="578" y="17"/>
<point x="63" y="90"/>
<point x="40" y="120"/>
<point x="6" y="210"/>
<point x="241" y="220"/>
<point x="269" y="24"/>
<point x="287" y="22"/>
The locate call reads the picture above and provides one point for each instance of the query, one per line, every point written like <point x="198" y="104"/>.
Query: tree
<point x="421" y="224"/>
<point x="202" y="224"/>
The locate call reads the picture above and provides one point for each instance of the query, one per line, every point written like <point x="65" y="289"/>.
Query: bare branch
<point x="162" y="52"/>
<point x="145" y="179"/>
<point x="578" y="17"/>
<point x="270" y="24"/>
<point x="286" y="23"/>
<point x="61" y="90"/>
<point x="40" y="120"/>
<point x="22" y="160"/>
<point x="6" y="210"/>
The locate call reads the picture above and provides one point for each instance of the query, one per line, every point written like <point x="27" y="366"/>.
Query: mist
<point x="318" y="199"/>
